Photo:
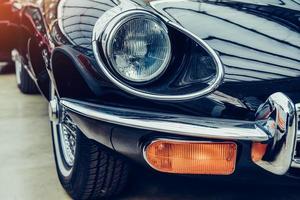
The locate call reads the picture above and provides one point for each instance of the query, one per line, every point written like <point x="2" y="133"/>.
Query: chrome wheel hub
<point x="66" y="129"/>
<point x="53" y="110"/>
<point x="68" y="139"/>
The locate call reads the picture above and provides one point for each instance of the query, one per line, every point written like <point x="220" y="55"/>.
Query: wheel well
<point x="69" y="82"/>
<point x="38" y="66"/>
<point x="35" y="55"/>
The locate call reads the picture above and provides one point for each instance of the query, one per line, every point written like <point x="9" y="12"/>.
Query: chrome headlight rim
<point x="111" y="32"/>
<point x="106" y="23"/>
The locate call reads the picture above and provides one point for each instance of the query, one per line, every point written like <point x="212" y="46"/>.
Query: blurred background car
<point x="9" y="20"/>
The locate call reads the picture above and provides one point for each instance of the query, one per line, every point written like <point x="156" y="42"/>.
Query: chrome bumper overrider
<point x="278" y="118"/>
<point x="296" y="155"/>
<point x="276" y="125"/>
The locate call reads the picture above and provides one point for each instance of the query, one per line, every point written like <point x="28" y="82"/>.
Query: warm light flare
<point x="258" y="151"/>
<point x="192" y="157"/>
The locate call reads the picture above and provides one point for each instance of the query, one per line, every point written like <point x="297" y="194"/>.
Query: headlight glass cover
<point x="140" y="48"/>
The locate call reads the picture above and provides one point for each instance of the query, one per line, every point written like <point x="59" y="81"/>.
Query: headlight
<point x="139" y="48"/>
<point x="132" y="48"/>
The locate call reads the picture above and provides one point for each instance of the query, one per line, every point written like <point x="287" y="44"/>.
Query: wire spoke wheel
<point x="68" y="139"/>
<point x="86" y="169"/>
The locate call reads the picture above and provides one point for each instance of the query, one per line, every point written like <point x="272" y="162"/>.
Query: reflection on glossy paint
<point x="255" y="41"/>
<point x="78" y="18"/>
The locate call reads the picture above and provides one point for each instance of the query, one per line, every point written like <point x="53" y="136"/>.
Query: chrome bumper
<point x="296" y="155"/>
<point x="276" y="125"/>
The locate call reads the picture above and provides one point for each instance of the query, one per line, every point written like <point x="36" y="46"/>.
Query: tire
<point x="24" y="81"/>
<point x="96" y="171"/>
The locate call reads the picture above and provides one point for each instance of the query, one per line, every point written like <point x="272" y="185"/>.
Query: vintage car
<point x="183" y="87"/>
<point x="9" y="20"/>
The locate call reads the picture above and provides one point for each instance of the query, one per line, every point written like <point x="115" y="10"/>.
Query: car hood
<point x="257" y="41"/>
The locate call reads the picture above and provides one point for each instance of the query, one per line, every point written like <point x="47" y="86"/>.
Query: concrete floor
<point x="27" y="170"/>
<point x="26" y="160"/>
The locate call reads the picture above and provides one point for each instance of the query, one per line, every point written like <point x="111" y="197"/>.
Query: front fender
<point x="74" y="74"/>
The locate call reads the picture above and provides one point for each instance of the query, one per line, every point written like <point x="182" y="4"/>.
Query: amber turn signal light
<point x="181" y="157"/>
<point x="258" y="151"/>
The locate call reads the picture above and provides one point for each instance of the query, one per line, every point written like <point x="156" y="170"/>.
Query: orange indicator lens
<point x="192" y="157"/>
<point x="258" y="151"/>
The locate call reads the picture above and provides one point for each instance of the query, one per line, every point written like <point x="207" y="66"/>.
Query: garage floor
<point x="27" y="170"/>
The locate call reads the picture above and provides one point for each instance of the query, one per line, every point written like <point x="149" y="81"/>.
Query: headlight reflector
<point x="139" y="48"/>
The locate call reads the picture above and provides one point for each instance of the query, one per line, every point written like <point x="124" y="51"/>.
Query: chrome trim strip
<point x="174" y="124"/>
<point x="99" y="32"/>
<point x="296" y="163"/>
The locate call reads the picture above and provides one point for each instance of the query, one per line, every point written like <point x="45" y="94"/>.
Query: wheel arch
<point x="38" y="65"/>
<point x="68" y="74"/>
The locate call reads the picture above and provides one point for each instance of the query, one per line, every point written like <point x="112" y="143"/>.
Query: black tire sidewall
<point x="75" y="181"/>
<point x="59" y="159"/>
<point x="97" y="172"/>
<point x="26" y="85"/>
